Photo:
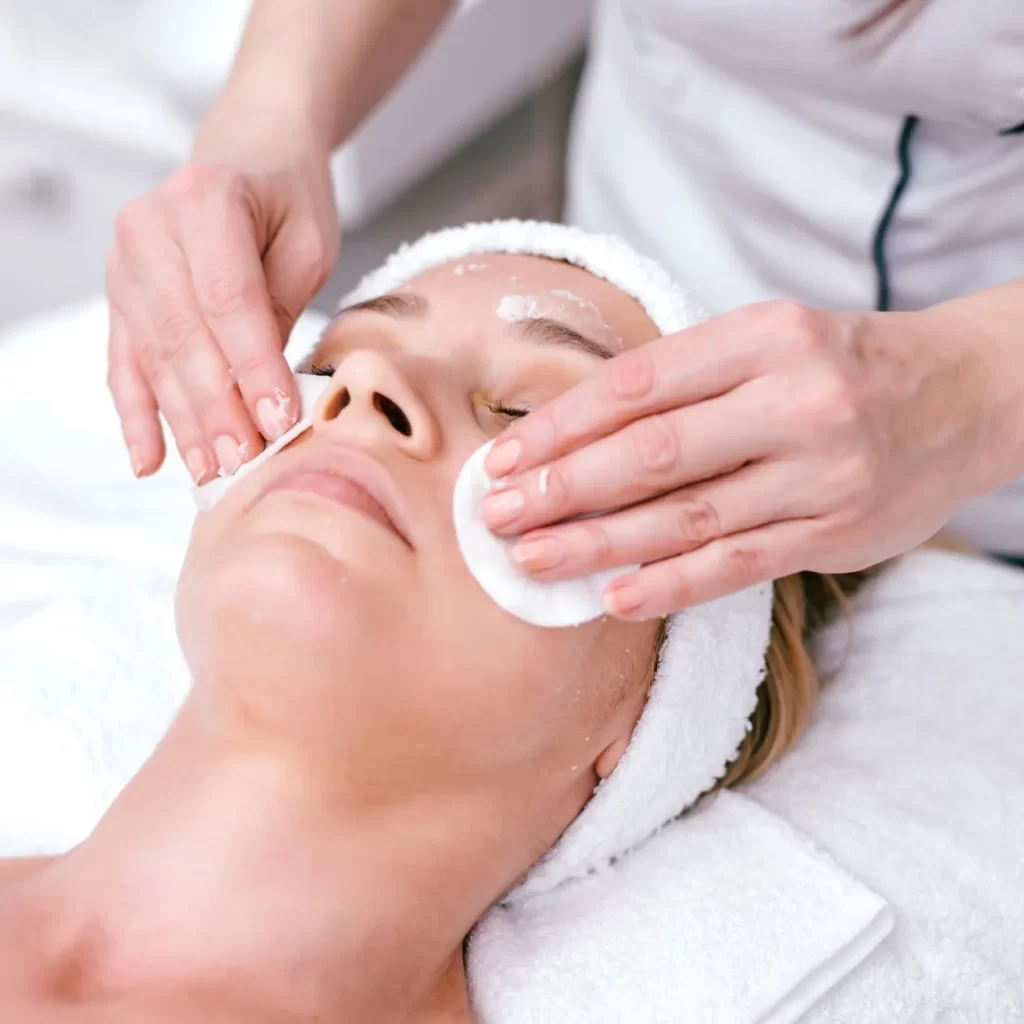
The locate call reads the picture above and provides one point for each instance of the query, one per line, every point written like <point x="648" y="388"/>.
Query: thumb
<point x="297" y="263"/>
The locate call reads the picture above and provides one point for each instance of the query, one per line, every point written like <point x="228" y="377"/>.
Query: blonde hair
<point x="786" y="698"/>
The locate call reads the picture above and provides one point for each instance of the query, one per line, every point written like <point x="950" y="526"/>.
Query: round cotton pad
<point x="490" y="560"/>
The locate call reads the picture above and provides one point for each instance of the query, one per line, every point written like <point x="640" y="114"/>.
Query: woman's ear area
<point x="609" y="758"/>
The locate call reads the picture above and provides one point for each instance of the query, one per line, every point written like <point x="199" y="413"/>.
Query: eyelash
<point x="497" y="408"/>
<point x="500" y="409"/>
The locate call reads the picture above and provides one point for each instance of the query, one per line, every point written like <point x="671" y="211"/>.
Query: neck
<point x="226" y="874"/>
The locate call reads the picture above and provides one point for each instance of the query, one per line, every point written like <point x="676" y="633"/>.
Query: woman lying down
<point x="388" y="799"/>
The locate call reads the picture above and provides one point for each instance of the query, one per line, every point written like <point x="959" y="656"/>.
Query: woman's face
<point x="349" y="624"/>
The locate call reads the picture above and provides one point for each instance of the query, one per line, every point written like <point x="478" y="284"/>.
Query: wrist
<point x="986" y="403"/>
<point x="250" y="126"/>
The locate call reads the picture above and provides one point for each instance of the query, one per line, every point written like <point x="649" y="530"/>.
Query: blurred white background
<point x="99" y="100"/>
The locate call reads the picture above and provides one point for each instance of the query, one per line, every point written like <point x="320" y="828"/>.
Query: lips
<point x="349" y="477"/>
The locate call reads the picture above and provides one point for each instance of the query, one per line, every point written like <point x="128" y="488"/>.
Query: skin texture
<point x="372" y="752"/>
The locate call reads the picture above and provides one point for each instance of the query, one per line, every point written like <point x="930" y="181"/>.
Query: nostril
<point x="395" y="416"/>
<point x="336" y="404"/>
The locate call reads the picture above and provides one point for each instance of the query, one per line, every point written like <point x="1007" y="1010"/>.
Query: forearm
<point x="991" y="322"/>
<point x="311" y="70"/>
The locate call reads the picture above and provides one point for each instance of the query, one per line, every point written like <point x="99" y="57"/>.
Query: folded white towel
<point x="726" y="917"/>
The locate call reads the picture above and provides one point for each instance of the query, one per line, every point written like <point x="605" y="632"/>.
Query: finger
<point x="695" y="364"/>
<point x="164" y="385"/>
<point x="234" y="304"/>
<point x="178" y="344"/>
<point x="682" y="521"/>
<point x="134" y="401"/>
<point x="297" y="265"/>
<point x="722" y="567"/>
<point x="650" y="457"/>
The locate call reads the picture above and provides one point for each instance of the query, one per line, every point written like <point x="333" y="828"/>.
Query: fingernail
<point x="539" y="553"/>
<point x="503" y="458"/>
<point x="502" y="508"/>
<point x="136" y="459"/>
<point x="228" y="455"/>
<point x="198" y="467"/>
<point x="274" y="417"/>
<point x="623" y="598"/>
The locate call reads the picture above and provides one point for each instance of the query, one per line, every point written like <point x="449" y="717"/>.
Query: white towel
<point x="726" y="917"/>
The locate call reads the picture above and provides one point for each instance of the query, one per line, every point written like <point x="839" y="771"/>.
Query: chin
<point x="276" y="599"/>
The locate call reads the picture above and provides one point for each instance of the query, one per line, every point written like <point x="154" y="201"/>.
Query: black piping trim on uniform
<point x="1016" y="130"/>
<point x="878" y="248"/>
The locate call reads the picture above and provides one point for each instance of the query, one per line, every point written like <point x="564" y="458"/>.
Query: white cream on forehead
<point x="471" y="267"/>
<point x="514" y="308"/>
<point x="556" y="302"/>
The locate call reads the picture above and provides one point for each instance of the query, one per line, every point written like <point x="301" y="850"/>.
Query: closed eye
<point x="320" y="370"/>
<point x="500" y="409"/>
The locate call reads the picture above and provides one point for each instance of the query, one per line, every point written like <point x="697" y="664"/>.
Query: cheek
<point x="507" y="693"/>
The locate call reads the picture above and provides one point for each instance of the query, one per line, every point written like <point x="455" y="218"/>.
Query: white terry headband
<point x="713" y="658"/>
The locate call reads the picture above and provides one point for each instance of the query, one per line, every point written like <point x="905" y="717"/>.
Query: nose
<point x="372" y="400"/>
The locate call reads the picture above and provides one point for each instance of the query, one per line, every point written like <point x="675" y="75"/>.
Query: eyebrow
<point x="544" y="331"/>
<point x="399" y="305"/>
<point x="540" y="330"/>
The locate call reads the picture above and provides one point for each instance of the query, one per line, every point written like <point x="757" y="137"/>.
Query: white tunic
<point x="760" y="154"/>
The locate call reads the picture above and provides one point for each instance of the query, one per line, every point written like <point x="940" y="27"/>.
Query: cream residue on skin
<point x="559" y="304"/>
<point x="514" y="308"/>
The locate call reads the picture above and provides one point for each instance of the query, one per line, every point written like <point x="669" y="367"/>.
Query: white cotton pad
<point x="310" y="388"/>
<point x="490" y="560"/>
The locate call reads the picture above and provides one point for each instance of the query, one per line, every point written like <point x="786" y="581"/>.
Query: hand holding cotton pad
<point x="490" y="559"/>
<point x="310" y="388"/>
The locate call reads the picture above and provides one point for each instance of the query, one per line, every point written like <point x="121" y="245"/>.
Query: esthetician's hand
<point x="772" y="440"/>
<point x="207" y="276"/>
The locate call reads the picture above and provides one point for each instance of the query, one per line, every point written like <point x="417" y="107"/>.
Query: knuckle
<point x="223" y="293"/>
<point x="176" y="331"/>
<point x="827" y="400"/>
<point x="655" y="444"/>
<point x="119" y="380"/>
<point x="153" y="363"/>
<point x="548" y="428"/>
<point x="697" y="522"/>
<point x="312" y="258"/>
<point x="746" y="566"/>
<point x="796" y="326"/>
<point x="596" y="542"/>
<point x="554" y="484"/>
<point x="132" y="224"/>
<point x="856" y="476"/>
<point x="630" y="377"/>
<point x="242" y="369"/>
<point x="194" y="184"/>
